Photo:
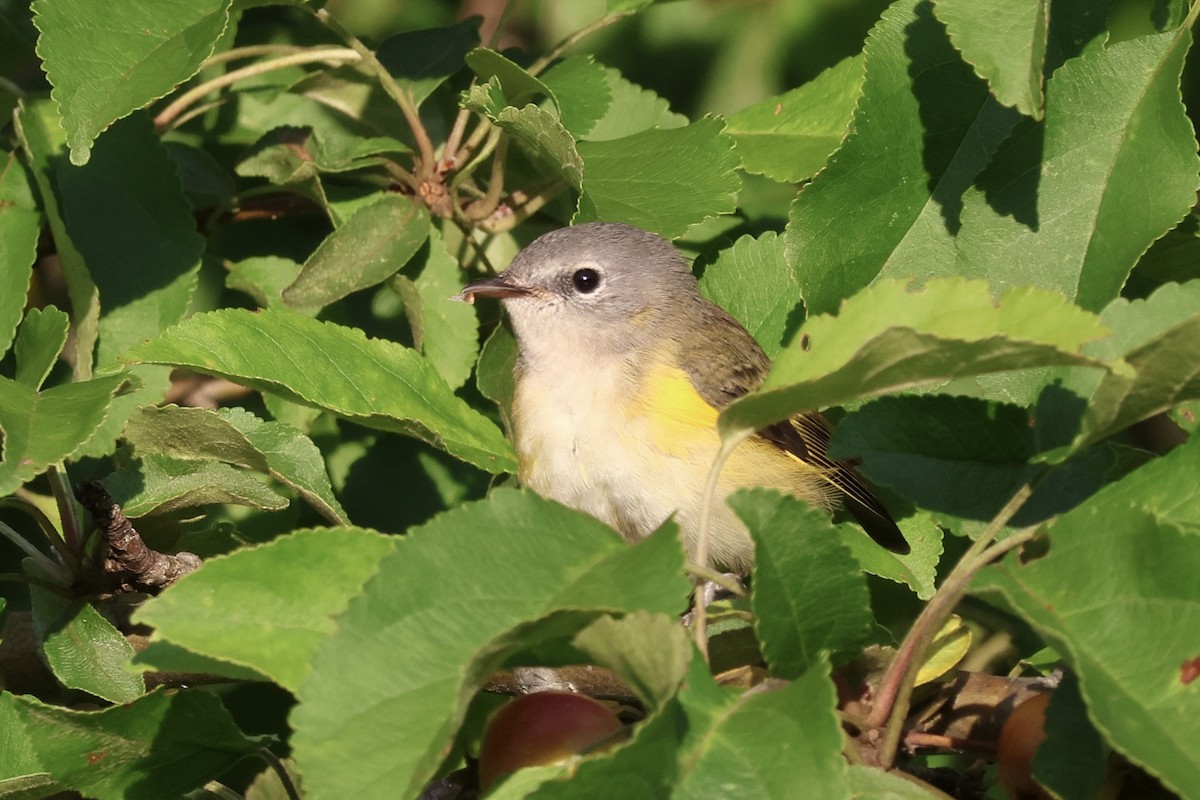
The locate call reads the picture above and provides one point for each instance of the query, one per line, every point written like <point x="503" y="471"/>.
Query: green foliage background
<point x="969" y="229"/>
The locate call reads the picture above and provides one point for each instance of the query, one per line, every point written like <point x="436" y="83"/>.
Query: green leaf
<point x="20" y="226"/>
<point x="161" y="745"/>
<point x="621" y="646"/>
<point x="378" y="240"/>
<point x="1113" y="595"/>
<point x="923" y="128"/>
<point x="158" y="484"/>
<point x="42" y="337"/>
<point x="1006" y="44"/>
<point x="1072" y="205"/>
<point x="374" y="382"/>
<point x="769" y="743"/>
<point x="236" y="436"/>
<point x="1072" y="761"/>
<point x="102" y="72"/>
<point x="445" y="331"/>
<point x="83" y="649"/>
<point x="22" y="776"/>
<point x="917" y="569"/>
<point x="753" y="282"/>
<point x="889" y="338"/>
<point x="871" y="783"/>
<point x="421" y="61"/>
<point x="268" y="607"/>
<point x="518" y="86"/>
<point x="39" y="128"/>
<point x="126" y="214"/>
<point x="264" y="278"/>
<point x="661" y="180"/>
<point x="809" y="598"/>
<point x="632" y="110"/>
<point x="538" y="132"/>
<point x="431" y="625"/>
<point x="494" y="373"/>
<point x="790" y="137"/>
<point x="582" y="90"/>
<point x="43" y="428"/>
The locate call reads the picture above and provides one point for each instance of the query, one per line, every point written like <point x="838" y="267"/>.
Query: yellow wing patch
<point x="680" y="419"/>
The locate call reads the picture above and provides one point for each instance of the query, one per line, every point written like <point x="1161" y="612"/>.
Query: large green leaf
<point x="267" y="607"/>
<point x="104" y="65"/>
<point x="789" y="137"/>
<point x="1116" y="594"/>
<point x="1005" y="43"/>
<point x="420" y="61"/>
<point x="661" y="180"/>
<point x="1072" y="204"/>
<point x="754" y="283"/>
<point x="162" y="745"/>
<point x="810" y="597"/>
<point x="432" y="622"/>
<point x="43" y="428"/>
<point x="889" y="338"/>
<point x="20" y="225"/>
<point x="887" y="203"/>
<point x="377" y="383"/>
<point x="581" y="87"/>
<point x="633" y="109"/>
<point x="158" y="484"/>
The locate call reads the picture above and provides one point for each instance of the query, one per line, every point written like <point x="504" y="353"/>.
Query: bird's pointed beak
<point x="499" y="287"/>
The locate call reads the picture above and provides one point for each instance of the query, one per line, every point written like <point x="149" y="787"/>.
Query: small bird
<point x="622" y="370"/>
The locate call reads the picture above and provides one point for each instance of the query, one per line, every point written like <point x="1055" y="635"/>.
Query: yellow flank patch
<point x="680" y="419"/>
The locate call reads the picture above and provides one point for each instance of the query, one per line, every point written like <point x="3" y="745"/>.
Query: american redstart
<point x="623" y="369"/>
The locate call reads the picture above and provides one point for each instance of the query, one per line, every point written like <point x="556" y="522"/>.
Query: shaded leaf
<point x="42" y="337"/>
<point x="633" y="109"/>
<point x="420" y="61"/>
<point x="158" y="484"/>
<point x="620" y="645"/>
<point x="20" y="225"/>
<point x="518" y="86"/>
<point x="1006" y="44"/>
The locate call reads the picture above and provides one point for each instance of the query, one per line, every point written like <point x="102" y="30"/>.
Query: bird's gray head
<point x="605" y="287"/>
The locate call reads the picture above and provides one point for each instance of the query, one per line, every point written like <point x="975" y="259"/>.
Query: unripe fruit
<point x="1020" y="737"/>
<point x="543" y="728"/>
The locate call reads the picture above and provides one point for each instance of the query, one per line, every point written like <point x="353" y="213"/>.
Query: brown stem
<point x="128" y="559"/>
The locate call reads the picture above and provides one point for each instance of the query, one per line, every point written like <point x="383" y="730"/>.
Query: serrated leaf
<point x="633" y="109"/>
<point x="42" y="337"/>
<point x="367" y="249"/>
<point x="660" y="180"/>
<point x="917" y="569"/>
<point x="494" y="372"/>
<point x="236" y="436"/>
<point x="20" y="225"/>
<point x="518" y="86"/>
<point x="888" y="338"/>
<point x="126" y="215"/>
<point x="444" y="330"/>
<point x="621" y="646"/>
<point x="159" y="484"/>
<point x="922" y="130"/>
<point x="1006" y="44"/>
<point x="789" y="137"/>
<point x="809" y="595"/>
<point x="769" y="743"/>
<point x="544" y="138"/>
<point x="117" y="753"/>
<point x="430" y="626"/>
<point x="754" y="283"/>
<point x="83" y="649"/>
<point x="104" y="68"/>
<point x="268" y="607"/>
<point x="43" y="428"/>
<point x="582" y="90"/>
<point x="264" y="278"/>
<point x="376" y="383"/>
<point x="1073" y="204"/>
<point x="420" y="61"/>
<point x="1116" y="595"/>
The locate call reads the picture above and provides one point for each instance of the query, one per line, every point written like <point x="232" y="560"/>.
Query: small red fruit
<point x="1020" y="737"/>
<point x="543" y="728"/>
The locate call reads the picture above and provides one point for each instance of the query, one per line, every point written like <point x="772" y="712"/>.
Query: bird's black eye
<point x="586" y="280"/>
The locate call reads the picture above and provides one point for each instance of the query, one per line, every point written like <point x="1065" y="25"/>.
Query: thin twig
<point x="484" y="207"/>
<point x="181" y="103"/>
<point x="45" y="525"/>
<point x="50" y="586"/>
<point x="587" y="30"/>
<point x="53" y="568"/>
<point x="719" y="578"/>
<point x="250" y="51"/>
<point x="523" y="211"/>
<point x="424" y="146"/>
<point x="281" y="771"/>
